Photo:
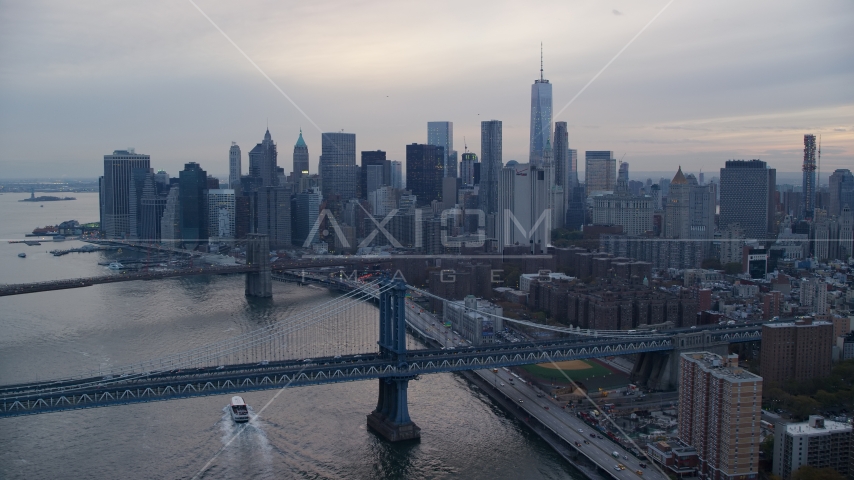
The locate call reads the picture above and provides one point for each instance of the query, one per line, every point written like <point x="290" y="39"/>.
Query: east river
<point x="307" y="432"/>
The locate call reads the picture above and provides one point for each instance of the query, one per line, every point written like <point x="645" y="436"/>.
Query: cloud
<point x="93" y="76"/>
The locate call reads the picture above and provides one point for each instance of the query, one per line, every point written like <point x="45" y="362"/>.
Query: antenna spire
<point x="541" y="61"/>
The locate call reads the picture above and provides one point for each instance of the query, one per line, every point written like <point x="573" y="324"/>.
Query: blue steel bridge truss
<point x="233" y="366"/>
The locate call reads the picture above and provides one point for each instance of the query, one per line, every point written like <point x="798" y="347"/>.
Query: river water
<point x="307" y="432"/>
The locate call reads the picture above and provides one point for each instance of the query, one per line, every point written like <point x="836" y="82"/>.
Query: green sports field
<point x="550" y="373"/>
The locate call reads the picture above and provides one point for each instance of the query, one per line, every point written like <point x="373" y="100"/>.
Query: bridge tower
<point x="391" y="417"/>
<point x="660" y="370"/>
<point x="259" y="283"/>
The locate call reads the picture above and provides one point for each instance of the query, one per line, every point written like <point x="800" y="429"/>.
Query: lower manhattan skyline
<point x="670" y="91"/>
<point x="570" y="240"/>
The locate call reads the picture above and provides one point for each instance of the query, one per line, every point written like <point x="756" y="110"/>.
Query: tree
<point x="811" y="473"/>
<point x="767" y="447"/>
<point x="712" y="263"/>
<point x="733" y="268"/>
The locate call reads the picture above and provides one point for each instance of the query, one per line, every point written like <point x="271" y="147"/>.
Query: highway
<point x="564" y="423"/>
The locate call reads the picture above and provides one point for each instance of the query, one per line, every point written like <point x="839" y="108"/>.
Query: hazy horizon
<point x="698" y="85"/>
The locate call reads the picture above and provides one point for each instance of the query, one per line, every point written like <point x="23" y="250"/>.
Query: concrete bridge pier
<point x="660" y="370"/>
<point x="391" y="417"/>
<point x="260" y="283"/>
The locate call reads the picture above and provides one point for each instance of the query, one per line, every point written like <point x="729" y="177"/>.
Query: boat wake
<point x="246" y="444"/>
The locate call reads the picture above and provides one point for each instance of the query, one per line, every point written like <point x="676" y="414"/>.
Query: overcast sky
<point x="705" y="82"/>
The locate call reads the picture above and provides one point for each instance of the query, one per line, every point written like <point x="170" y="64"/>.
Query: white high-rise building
<point x="170" y="222"/>
<point x="234" y="166"/>
<point x="814" y="295"/>
<point x="527" y="206"/>
<point x="383" y="200"/>
<point x="441" y="134"/>
<point x="220" y="209"/>
<point x="818" y="443"/>
<point x="541" y="116"/>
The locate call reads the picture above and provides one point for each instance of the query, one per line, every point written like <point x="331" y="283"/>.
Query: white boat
<point x="116" y="266"/>
<point x="22" y="255"/>
<point x="239" y="410"/>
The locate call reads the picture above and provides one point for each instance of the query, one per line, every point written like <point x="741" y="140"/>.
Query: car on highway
<point x="580" y="430"/>
<point x="639" y="472"/>
<point x="621" y="466"/>
<point x="617" y="468"/>
<point x="546" y="407"/>
<point x="642" y="465"/>
<point x="502" y="384"/>
<point x="520" y="400"/>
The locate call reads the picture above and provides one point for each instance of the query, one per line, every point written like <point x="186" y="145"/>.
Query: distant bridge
<point x="258" y="270"/>
<point x="21" y="288"/>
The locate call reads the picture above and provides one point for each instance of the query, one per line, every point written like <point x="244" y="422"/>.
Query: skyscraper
<point x="424" y="172"/>
<point x="234" y="166"/>
<point x="561" y="155"/>
<point x="308" y="209"/>
<point x="600" y="171"/>
<point x="541" y="116"/>
<point x="841" y="191"/>
<point x="374" y="177"/>
<point x="373" y="158"/>
<point x="118" y="175"/>
<point x="170" y="222"/>
<point x="490" y="164"/>
<point x="467" y="168"/>
<point x="300" y="158"/>
<point x="396" y="172"/>
<point x="152" y="204"/>
<point x="220" y="210"/>
<point x="719" y="404"/>
<point x="572" y="160"/>
<point x="623" y="174"/>
<point x="676" y="214"/>
<point x="193" y="182"/>
<point x="701" y="214"/>
<point x="441" y="134"/>
<point x="263" y="160"/>
<point x="525" y="193"/>
<point x="809" y="177"/>
<point x="747" y="197"/>
<point x="338" y="170"/>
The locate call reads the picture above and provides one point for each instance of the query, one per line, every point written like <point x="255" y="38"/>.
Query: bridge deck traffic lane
<point x="559" y="420"/>
<point x="567" y="426"/>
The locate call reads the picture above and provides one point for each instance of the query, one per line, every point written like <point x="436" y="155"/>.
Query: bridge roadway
<point x="21" y="288"/>
<point x="41" y="397"/>
<point x="548" y="412"/>
<point x="28" y="399"/>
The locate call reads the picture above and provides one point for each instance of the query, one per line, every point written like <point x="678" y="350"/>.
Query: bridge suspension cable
<point x="589" y="332"/>
<point x="280" y="341"/>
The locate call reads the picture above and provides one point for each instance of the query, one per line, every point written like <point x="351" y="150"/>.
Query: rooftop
<point x="726" y="368"/>
<point x="804" y="428"/>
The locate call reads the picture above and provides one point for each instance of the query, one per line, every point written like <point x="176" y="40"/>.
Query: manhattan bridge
<point x="370" y="342"/>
